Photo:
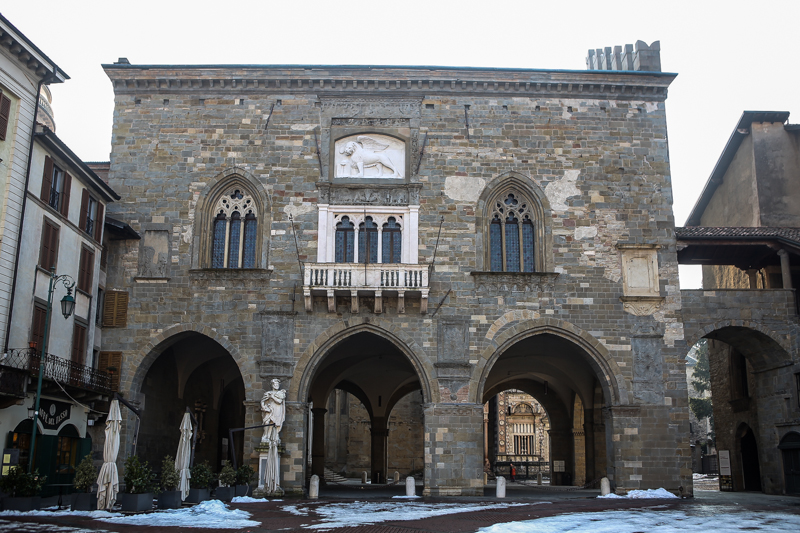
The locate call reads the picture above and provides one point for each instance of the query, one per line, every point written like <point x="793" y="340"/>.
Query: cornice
<point x="398" y="82"/>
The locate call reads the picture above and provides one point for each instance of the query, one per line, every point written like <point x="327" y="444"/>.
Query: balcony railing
<point x="350" y="278"/>
<point x="58" y="369"/>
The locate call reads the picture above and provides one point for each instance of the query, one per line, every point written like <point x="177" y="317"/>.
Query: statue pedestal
<point x="265" y="458"/>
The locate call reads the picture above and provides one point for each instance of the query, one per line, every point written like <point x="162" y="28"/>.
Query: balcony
<point x="18" y="364"/>
<point x="354" y="280"/>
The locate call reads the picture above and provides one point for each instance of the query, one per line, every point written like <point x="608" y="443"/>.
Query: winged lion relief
<point x="370" y="156"/>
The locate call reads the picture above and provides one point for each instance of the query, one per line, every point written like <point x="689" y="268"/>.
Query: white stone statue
<point x="273" y="411"/>
<point x="367" y="152"/>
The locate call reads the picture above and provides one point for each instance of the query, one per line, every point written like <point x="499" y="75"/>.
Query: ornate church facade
<point x="447" y="233"/>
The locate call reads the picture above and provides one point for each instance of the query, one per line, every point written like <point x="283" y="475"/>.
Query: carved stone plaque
<point x="370" y="156"/>
<point x="153" y="254"/>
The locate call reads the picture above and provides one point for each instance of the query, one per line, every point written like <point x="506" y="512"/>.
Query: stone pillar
<point x="318" y="446"/>
<point x="786" y="269"/>
<point x="294" y="438"/>
<point x="579" y="450"/>
<point x="752" y="275"/>
<point x="453" y="449"/>
<point x="379" y="439"/>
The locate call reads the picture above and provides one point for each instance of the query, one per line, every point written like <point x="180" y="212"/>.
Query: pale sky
<point x="730" y="55"/>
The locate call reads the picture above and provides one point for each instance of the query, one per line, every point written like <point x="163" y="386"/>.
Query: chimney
<point x="644" y="59"/>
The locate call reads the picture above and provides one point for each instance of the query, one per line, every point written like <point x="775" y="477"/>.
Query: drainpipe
<point x="24" y="203"/>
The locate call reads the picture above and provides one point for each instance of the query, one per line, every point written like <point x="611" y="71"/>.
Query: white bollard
<point x="485" y="478"/>
<point x="411" y="488"/>
<point x="396" y="476"/>
<point x="501" y="487"/>
<point x="539" y="478"/>
<point x="605" y="487"/>
<point x="313" y="489"/>
<point x="363" y="477"/>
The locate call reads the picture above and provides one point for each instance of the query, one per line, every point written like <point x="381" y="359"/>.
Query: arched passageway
<point x="378" y="374"/>
<point x="192" y="371"/>
<point x="560" y="375"/>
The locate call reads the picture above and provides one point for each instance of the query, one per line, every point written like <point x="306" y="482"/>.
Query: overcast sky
<point x="730" y="56"/>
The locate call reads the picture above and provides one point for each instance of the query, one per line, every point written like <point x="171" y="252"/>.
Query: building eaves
<point x="120" y="230"/>
<point x="37" y="59"/>
<point x="700" y="234"/>
<point x="741" y="130"/>
<point x="51" y="141"/>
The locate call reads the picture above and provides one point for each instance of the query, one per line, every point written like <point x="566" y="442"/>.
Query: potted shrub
<point x="85" y="478"/>
<point x="244" y="476"/>
<point x="170" y="497"/>
<point x="22" y="489"/>
<point x="139" y="486"/>
<point x="227" y="481"/>
<point x="200" y="483"/>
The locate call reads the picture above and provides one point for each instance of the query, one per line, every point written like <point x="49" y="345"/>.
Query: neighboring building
<point x="24" y="73"/>
<point x="745" y="231"/>
<point x="451" y="233"/>
<point x="64" y="227"/>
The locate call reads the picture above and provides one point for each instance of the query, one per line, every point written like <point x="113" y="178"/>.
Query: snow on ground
<point x="710" y="518"/>
<point x="212" y="514"/>
<point x="34" y="527"/>
<point x="406" y="497"/>
<point x="362" y="513"/>
<point x="642" y="494"/>
<point x="53" y="511"/>
<point x="249" y="499"/>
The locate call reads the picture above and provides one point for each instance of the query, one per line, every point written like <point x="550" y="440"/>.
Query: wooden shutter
<point x="98" y="223"/>
<point x="86" y="270"/>
<point x="65" y="195"/>
<point x="5" y="115"/>
<point x="48" y="252"/>
<point x="79" y="344"/>
<point x="37" y="327"/>
<point x="47" y="179"/>
<point x="84" y="209"/>
<point x="111" y="362"/>
<point x="115" y="310"/>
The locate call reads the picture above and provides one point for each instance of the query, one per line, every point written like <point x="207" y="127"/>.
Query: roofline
<point x="126" y="66"/>
<point x="49" y="139"/>
<point x="725" y="158"/>
<point x="59" y="76"/>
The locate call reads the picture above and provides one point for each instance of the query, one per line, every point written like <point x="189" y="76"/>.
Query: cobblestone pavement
<point x="531" y="503"/>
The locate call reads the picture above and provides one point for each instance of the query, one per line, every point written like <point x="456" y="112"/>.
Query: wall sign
<point x="53" y="413"/>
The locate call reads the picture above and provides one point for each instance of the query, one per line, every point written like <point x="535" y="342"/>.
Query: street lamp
<point x="67" y="307"/>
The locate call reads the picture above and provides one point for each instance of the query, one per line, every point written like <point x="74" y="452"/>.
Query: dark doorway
<point x="790" y="449"/>
<point x="750" y="468"/>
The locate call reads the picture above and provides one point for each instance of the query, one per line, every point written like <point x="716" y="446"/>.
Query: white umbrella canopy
<point x="108" y="480"/>
<point x="184" y="455"/>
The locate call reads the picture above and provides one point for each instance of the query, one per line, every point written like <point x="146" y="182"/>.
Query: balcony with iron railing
<point x="353" y="279"/>
<point x="16" y="365"/>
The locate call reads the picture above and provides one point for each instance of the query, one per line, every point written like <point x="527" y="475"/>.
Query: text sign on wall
<point x="52" y="413"/>
<point x="725" y="462"/>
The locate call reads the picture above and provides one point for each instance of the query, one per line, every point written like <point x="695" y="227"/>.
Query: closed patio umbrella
<point x="108" y="480"/>
<point x="184" y="455"/>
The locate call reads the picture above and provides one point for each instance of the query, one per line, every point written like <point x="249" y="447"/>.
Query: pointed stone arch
<point x="201" y="213"/>
<point x="506" y="183"/>
<point x="760" y="344"/>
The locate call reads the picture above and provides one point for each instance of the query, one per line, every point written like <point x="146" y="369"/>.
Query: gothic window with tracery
<point x="234" y="231"/>
<point x="392" y="239"/>
<point x="368" y="241"/>
<point x="512" y="235"/>
<point x="345" y="235"/>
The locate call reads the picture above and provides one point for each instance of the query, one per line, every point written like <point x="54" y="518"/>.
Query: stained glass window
<point x="250" y="227"/>
<point x="527" y="246"/>
<point x="511" y="235"/>
<point x="344" y="241"/>
<point x="496" y="245"/>
<point x="512" y="244"/>
<point x="368" y="240"/>
<point x="218" y="246"/>
<point x="392" y="238"/>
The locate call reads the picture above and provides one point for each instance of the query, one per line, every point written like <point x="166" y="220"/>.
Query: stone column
<point x="786" y="269"/>
<point x="294" y="438"/>
<point x="453" y="449"/>
<point x="752" y="276"/>
<point x="318" y="445"/>
<point x="379" y="440"/>
<point x="579" y="450"/>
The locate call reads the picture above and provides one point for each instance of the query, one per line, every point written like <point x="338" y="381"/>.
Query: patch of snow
<point x="248" y="499"/>
<point x="364" y="513"/>
<point x="643" y="494"/>
<point x="705" y="518"/>
<point x="406" y="497"/>
<point x="34" y="527"/>
<point x="55" y="512"/>
<point x="211" y="514"/>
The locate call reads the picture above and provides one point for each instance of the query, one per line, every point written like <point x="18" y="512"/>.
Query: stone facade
<point x="587" y="151"/>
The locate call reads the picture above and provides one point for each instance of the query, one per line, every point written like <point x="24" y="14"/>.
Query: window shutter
<point x="44" y="251"/>
<point x="111" y="362"/>
<point x="98" y="223"/>
<point x="53" y="246"/>
<point x="86" y="270"/>
<point x="37" y="328"/>
<point x="65" y="195"/>
<point x="115" y="311"/>
<point x="78" y="344"/>
<point x="5" y="115"/>
<point x="47" y="179"/>
<point x="84" y="209"/>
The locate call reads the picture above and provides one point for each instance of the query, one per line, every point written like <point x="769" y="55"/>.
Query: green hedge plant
<point x="244" y="475"/>
<point x="170" y="477"/>
<point x="202" y="476"/>
<point x="138" y="476"/>
<point x="20" y="484"/>
<point x="227" y="476"/>
<point x="85" y="475"/>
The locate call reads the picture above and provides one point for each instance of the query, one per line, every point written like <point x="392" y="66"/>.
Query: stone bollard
<point x="501" y="487"/>
<point x="605" y="487"/>
<point x="539" y="478"/>
<point x="363" y="477"/>
<point x="485" y="478"/>
<point x="411" y="488"/>
<point x="396" y="476"/>
<point x="313" y="489"/>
